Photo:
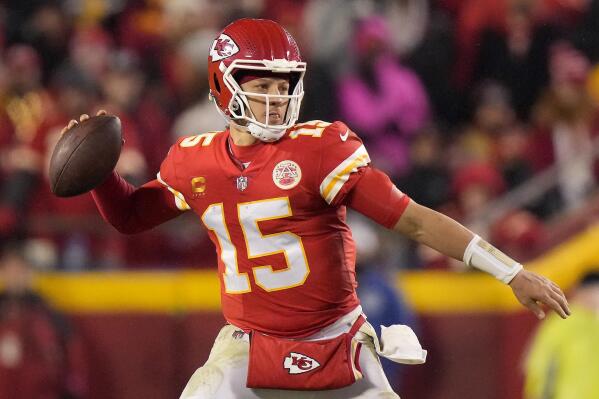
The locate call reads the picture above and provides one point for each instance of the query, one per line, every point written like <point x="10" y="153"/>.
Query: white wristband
<point x="484" y="256"/>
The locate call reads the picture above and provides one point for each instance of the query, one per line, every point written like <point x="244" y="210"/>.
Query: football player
<point x="273" y="194"/>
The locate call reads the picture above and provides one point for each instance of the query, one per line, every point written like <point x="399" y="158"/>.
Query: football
<point x="85" y="155"/>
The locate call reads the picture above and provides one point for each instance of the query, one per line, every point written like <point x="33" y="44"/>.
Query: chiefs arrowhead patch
<point x="286" y="174"/>
<point x="223" y="47"/>
<point x="297" y="363"/>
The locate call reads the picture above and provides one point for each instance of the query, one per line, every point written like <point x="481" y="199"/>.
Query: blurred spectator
<point x="492" y="115"/>
<point x="471" y="17"/>
<point x="122" y="82"/>
<point x="438" y="44"/>
<point x="562" y="362"/>
<point x="563" y="13"/>
<point x="233" y="9"/>
<point x="121" y="86"/>
<point x="48" y="32"/>
<point x="585" y="35"/>
<point x="40" y="356"/>
<point x="75" y="247"/>
<point x="327" y="36"/>
<point x="382" y="100"/>
<point x="143" y="109"/>
<point x="427" y="181"/>
<point x="475" y="185"/>
<point x="41" y="24"/>
<point x="89" y="13"/>
<point x="25" y="106"/>
<point x="515" y="21"/>
<point x="83" y="244"/>
<point x="73" y="93"/>
<point x="183" y="18"/>
<point x="202" y="116"/>
<point x="26" y="101"/>
<point x="181" y="75"/>
<point x="288" y="13"/>
<point x="566" y="124"/>
<point x="511" y="156"/>
<point x="520" y="233"/>
<point x="328" y="24"/>
<point x="516" y="55"/>
<point x="90" y="50"/>
<point x="141" y="28"/>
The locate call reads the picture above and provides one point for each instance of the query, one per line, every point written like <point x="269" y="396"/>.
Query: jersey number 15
<point x="258" y="245"/>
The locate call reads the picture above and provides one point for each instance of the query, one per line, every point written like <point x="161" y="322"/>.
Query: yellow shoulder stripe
<point x="335" y="180"/>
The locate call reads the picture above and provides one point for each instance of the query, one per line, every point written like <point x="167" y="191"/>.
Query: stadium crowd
<point x="459" y="101"/>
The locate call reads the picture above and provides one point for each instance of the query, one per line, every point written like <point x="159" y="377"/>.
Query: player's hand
<point x="82" y="117"/>
<point x="534" y="290"/>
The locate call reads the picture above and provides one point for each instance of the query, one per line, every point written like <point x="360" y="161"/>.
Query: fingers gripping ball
<point x="85" y="155"/>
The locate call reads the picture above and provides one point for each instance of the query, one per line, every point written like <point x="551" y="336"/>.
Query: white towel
<point x="399" y="344"/>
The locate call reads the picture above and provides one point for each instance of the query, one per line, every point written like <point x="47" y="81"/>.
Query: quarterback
<point x="272" y="194"/>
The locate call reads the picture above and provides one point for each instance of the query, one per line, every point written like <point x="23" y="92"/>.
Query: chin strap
<point x="265" y="134"/>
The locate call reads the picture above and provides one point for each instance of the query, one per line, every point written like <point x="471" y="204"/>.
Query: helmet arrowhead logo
<point x="223" y="47"/>
<point x="297" y="363"/>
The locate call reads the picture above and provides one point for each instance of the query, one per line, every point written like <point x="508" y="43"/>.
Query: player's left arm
<point x="449" y="237"/>
<point x="375" y="196"/>
<point x="347" y="178"/>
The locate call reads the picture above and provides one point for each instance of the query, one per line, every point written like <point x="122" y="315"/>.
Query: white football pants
<point x="224" y="374"/>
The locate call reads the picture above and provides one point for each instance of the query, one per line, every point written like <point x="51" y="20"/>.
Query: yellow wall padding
<point x="427" y="291"/>
<point x="446" y="292"/>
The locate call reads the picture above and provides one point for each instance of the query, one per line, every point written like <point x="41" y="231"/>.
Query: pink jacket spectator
<point x="400" y="101"/>
<point x="382" y="100"/>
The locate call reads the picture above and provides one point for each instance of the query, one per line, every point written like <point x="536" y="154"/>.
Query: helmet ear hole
<point x="216" y="84"/>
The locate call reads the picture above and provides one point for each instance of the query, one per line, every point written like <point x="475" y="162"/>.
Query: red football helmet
<point x="258" y="45"/>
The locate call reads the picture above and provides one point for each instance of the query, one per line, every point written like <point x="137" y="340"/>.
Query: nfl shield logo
<point x="242" y="183"/>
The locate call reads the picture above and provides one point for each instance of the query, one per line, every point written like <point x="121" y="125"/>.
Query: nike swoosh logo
<point x="344" y="136"/>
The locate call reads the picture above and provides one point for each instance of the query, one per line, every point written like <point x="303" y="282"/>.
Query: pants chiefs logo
<point x="223" y="47"/>
<point x="296" y="363"/>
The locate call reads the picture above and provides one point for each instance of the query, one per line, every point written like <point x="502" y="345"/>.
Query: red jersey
<point x="286" y="256"/>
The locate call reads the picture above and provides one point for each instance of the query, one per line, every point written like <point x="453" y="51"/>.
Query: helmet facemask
<point x="239" y="106"/>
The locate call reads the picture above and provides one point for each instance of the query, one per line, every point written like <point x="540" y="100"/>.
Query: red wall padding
<point x="134" y="356"/>
<point x="471" y="356"/>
